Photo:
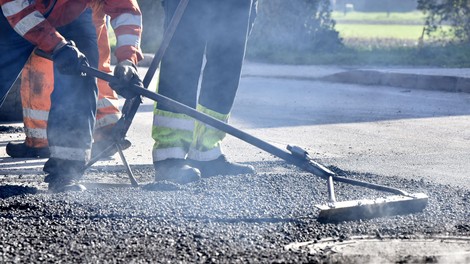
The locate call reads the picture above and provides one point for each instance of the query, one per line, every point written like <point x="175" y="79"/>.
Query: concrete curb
<point x="454" y="84"/>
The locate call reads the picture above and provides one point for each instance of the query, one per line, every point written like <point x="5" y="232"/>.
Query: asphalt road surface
<point x="415" y="140"/>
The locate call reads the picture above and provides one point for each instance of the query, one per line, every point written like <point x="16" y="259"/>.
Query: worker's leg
<point x="227" y="36"/>
<point x="225" y="52"/>
<point x="107" y="112"/>
<point x="72" y="113"/>
<point x="179" y="77"/>
<point x="37" y="82"/>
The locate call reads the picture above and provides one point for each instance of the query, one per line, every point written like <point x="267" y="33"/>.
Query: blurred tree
<point x="447" y="12"/>
<point x="294" y="26"/>
<point x="152" y="17"/>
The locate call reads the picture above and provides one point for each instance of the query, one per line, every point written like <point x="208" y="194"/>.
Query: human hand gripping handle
<point x="68" y="59"/>
<point x="126" y="75"/>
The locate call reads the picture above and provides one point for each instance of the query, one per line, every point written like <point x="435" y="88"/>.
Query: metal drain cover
<point x="385" y="250"/>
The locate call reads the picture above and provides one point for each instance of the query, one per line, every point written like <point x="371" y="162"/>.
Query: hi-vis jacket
<point x="36" y="20"/>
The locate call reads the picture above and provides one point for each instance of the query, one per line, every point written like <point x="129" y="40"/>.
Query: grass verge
<point x="368" y="31"/>
<point x="409" y="18"/>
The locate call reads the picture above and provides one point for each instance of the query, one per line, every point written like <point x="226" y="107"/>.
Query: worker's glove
<point x="68" y="59"/>
<point x="126" y="73"/>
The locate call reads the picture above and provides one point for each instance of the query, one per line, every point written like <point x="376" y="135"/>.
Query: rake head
<point x="367" y="209"/>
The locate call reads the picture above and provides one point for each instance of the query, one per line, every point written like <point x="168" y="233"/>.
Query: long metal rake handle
<point x="304" y="163"/>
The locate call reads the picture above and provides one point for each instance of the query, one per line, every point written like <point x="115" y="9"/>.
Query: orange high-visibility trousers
<point x="37" y="83"/>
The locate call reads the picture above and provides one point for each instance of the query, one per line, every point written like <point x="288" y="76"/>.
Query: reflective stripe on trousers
<point x="37" y="84"/>
<point x="173" y="134"/>
<point x="179" y="136"/>
<point x="207" y="139"/>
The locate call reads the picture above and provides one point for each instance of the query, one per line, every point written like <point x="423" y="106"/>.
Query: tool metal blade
<point x="368" y="208"/>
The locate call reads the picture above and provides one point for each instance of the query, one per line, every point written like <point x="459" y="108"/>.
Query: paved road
<point x="413" y="139"/>
<point x="382" y="130"/>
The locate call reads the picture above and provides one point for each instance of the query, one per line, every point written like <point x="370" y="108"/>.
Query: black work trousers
<point x="217" y="31"/>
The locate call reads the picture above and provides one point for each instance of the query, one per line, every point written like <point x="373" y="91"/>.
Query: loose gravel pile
<point x="244" y="218"/>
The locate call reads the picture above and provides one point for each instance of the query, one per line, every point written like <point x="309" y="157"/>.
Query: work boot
<point x="21" y="150"/>
<point x="221" y="166"/>
<point x="58" y="184"/>
<point x="99" y="146"/>
<point x="176" y="170"/>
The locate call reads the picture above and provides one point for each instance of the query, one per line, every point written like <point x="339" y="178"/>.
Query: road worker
<point x="64" y="29"/>
<point x="37" y="83"/>
<point x="185" y="150"/>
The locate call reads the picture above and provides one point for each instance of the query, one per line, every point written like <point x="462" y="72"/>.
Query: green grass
<point x="370" y="31"/>
<point x="416" y="17"/>
<point x="376" y="26"/>
<point x="112" y="38"/>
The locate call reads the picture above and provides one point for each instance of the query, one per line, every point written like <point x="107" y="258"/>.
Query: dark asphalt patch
<point x="7" y="191"/>
<point x="244" y="218"/>
<point x="11" y="129"/>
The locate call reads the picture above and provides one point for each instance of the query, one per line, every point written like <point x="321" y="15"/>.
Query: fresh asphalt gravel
<point x="252" y="218"/>
<point x="243" y="218"/>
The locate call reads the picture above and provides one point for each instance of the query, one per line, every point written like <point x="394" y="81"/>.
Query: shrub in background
<point x="294" y="26"/>
<point x="448" y="12"/>
<point x="152" y="18"/>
